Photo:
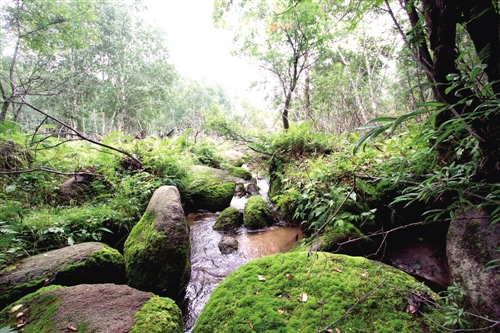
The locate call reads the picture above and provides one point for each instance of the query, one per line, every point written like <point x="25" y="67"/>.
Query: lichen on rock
<point x="306" y="292"/>
<point x="157" y="250"/>
<point x="471" y="243"/>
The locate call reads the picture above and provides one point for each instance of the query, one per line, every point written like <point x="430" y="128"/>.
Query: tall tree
<point x="471" y="97"/>
<point x="285" y="37"/>
<point x="35" y="32"/>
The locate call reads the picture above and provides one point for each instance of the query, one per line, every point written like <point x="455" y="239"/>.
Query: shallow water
<point x="209" y="267"/>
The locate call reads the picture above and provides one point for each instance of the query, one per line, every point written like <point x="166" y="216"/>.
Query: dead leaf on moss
<point x="71" y="328"/>
<point x="338" y="330"/>
<point x="337" y="270"/>
<point x="251" y="325"/>
<point x="19" y="315"/>
<point x="365" y="275"/>
<point x="261" y="278"/>
<point x="303" y="297"/>
<point x="289" y="276"/>
<point x="281" y="310"/>
<point x="16" y="308"/>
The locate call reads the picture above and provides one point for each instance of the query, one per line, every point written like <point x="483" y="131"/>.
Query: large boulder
<point x="213" y="192"/>
<point x="318" y="292"/>
<point x="157" y="250"/>
<point x="257" y="214"/>
<point x="471" y="244"/>
<point x="82" y="263"/>
<point x="99" y="308"/>
<point x="230" y="219"/>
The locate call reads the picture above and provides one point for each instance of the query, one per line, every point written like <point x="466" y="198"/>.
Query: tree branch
<point x="80" y="135"/>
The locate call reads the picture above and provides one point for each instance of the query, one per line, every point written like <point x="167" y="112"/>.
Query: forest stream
<point x="209" y="267"/>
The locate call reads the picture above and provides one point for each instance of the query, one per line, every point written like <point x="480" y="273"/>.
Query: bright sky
<point x="197" y="48"/>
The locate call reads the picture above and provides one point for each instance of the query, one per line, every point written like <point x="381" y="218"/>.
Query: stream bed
<point x="209" y="266"/>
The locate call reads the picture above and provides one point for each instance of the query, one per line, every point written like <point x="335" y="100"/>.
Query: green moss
<point x="146" y="248"/>
<point x="101" y="266"/>
<point x="334" y="284"/>
<point x="158" y="315"/>
<point x="215" y="197"/>
<point x="240" y="173"/>
<point x="230" y="218"/>
<point x="257" y="214"/>
<point x="343" y="232"/>
<point x="39" y="309"/>
<point x="16" y="292"/>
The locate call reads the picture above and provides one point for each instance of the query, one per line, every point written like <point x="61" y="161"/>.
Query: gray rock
<point x="98" y="308"/>
<point x="82" y="263"/>
<point x="471" y="244"/>
<point x="157" y="250"/>
<point x="228" y="245"/>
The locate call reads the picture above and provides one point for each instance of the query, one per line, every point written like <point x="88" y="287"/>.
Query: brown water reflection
<point x="209" y="267"/>
<point x="253" y="245"/>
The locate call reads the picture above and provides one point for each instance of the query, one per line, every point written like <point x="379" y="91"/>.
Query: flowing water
<point x="209" y="267"/>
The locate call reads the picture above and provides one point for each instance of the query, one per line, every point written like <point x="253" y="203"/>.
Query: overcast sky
<point x="197" y="48"/>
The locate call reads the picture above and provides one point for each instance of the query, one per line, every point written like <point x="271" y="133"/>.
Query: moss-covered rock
<point x="157" y="250"/>
<point x="230" y="219"/>
<point x="213" y="191"/>
<point x="82" y="263"/>
<point x="306" y="292"/>
<point x="240" y="173"/>
<point x="257" y="214"/>
<point x="98" y="308"/>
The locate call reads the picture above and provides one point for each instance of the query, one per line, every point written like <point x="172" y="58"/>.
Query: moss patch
<point x="82" y="263"/>
<point x="244" y="302"/>
<point x="38" y="310"/>
<point x="240" y="173"/>
<point x="230" y="218"/>
<point x="158" y="315"/>
<point x="343" y="232"/>
<point x="152" y="263"/>
<point x="214" y="197"/>
<point x="101" y="266"/>
<point x="257" y="214"/>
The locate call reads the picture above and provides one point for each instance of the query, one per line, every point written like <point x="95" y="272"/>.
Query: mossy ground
<point x="158" y="315"/>
<point x="257" y="214"/>
<point x="333" y="284"/>
<point x="151" y="264"/>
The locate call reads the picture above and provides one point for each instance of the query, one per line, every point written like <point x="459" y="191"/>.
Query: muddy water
<point x="209" y="267"/>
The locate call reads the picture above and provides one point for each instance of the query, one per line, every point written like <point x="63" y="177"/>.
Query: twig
<point x="336" y="212"/>
<point x="80" y="135"/>
<point x="365" y="296"/>
<point x="16" y="172"/>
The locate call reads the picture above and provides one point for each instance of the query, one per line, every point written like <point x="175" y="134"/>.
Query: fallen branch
<point x="385" y="233"/>
<point x="16" y="172"/>
<point x="80" y="135"/>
